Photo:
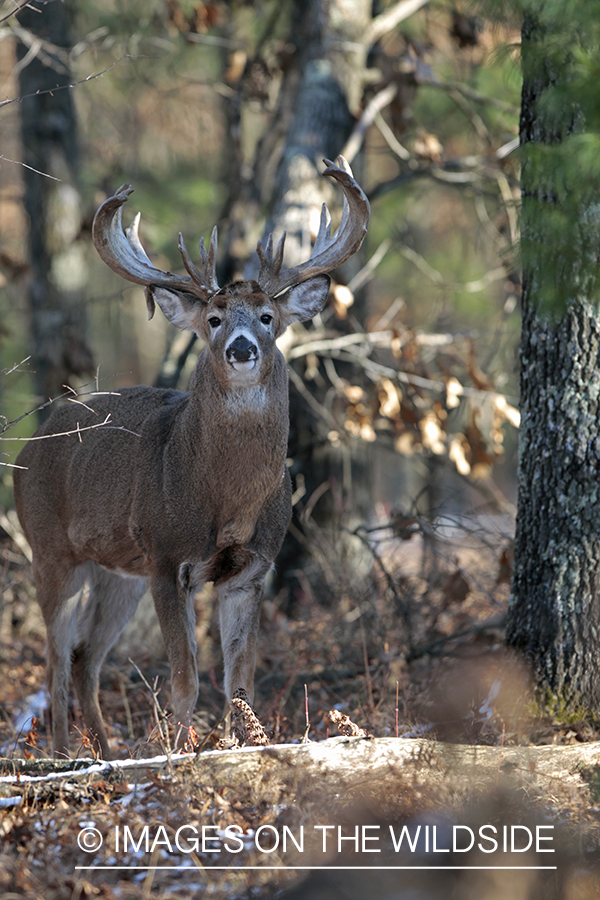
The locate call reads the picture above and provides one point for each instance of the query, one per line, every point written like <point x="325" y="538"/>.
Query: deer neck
<point x="237" y="439"/>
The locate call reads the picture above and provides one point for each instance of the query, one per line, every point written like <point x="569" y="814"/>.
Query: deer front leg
<point x="240" y="598"/>
<point x="175" y="610"/>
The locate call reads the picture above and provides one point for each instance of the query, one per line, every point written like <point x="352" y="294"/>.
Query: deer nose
<point x="241" y="350"/>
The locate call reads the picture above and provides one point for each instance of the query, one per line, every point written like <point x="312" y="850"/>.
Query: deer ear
<point x="305" y="300"/>
<point x="180" y="309"/>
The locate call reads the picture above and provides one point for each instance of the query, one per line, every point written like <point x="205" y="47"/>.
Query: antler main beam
<point x="123" y="252"/>
<point x="329" y="251"/>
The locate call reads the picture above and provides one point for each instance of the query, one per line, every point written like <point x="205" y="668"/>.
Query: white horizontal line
<point x="325" y="868"/>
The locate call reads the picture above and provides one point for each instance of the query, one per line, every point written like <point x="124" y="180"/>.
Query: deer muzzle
<point x="241" y="350"/>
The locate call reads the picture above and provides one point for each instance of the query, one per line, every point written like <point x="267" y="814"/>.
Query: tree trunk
<point x="554" y="612"/>
<point x="52" y="204"/>
<point x="318" y="102"/>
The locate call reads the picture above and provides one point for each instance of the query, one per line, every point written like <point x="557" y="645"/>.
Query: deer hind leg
<point x="113" y="598"/>
<point x="59" y="594"/>
<point x="174" y="603"/>
<point x="240" y="598"/>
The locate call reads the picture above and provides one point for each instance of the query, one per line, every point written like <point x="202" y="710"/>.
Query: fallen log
<point x="349" y="764"/>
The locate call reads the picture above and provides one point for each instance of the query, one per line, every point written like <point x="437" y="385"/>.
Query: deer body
<point x="176" y="490"/>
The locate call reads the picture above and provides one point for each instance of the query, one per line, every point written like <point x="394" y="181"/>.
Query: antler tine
<point x="279" y="254"/>
<point x="265" y="255"/>
<point x="206" y="277"/>
<point x="209" y="260"/>
<point x="270" y="267"/>
<point x="324" y="233"/>
<point x="132" y="235"/>
<point x="123" y="252"/>
<point x="329" y="251"/>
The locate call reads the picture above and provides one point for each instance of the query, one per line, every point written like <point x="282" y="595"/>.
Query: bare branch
<point x="18" y="9"/>
<point x="430" y="384"/>
<point x="316" y="407"/>
<point x="372" y="109"/>
<point x="15" y="368"/>
<point x="388" y="20"/>
<point x="50" y="55"/>
<point x="368" y="340"/>
<point x="62" y="87"/>
<point x="457" y="86"/>
<point x="367" y="270"/>
<point x="471" y="287"/>
<point x="509" y="205"/>
<point x="390" y="138"/>
<point x="6" y="425"/>
<point x="18" y="162"/>
<point x="474" y="117"/>
<point x="107" y="423"/>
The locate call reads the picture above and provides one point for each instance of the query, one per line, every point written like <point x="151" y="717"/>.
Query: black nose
<point x="241" y="350"/>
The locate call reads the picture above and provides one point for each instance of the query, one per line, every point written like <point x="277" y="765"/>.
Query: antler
<point x="328" y="252"/>
<point x="123" y="252"/>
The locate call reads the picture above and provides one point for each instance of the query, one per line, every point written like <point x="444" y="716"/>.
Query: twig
<point x="126" y="706"/>
<point x="476" y="120"/>
<point x="388" y="20"/>
<point x="389" y="315"/>
<point x="203" y="743"/>
<point x="418" y="380"/>
<point x="470" y="287"/>
<point x="400" y="604"/>
<point x="78" y="431"/>
<point x="62" y="87"/>
<point x="307" y="718"/>
<point x="372" y="109"/>
<point x="457" y="171"/>
<point x="369" y="339"/>
<point x="6" y="425"/>
<point x="366" y="663"/>
<point x="501" y="749"/>
<point x="15" y="367"/>
<point x="509" y="205"/>
<point x="50" y="55"/>
<point x="276" y="702"/>
<point x="18" y="162"/>
<point x="391" y="139"/>
<point x="367" y="270"/>
<point x="473" y="95"/>
<point x="18" y="9"/>
<point x="312" y="402"/>
<point x="162" y="722"/>
<point x="428" y="649"/>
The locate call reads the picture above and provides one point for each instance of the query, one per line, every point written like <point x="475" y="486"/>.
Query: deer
<point x="177" y="489"/>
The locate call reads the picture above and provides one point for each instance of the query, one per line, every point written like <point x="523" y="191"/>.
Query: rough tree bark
<point x="554" y="613"/>
<point x="52" y="204"/>
<point x="317" y="107"/>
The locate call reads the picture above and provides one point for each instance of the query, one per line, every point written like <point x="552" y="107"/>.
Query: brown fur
<point x="178" y="489"/>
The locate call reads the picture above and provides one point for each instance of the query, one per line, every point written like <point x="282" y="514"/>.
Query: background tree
<point x="554" y="614"/>
<point x="57" y="271"/>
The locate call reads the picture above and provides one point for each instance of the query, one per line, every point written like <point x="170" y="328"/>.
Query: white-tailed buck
<point x="188" y="487"/>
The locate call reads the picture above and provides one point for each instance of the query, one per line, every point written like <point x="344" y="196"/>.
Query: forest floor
<point x="406" y="640"/>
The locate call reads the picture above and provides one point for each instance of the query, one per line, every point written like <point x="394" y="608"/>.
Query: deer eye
<point x="266" y="319"/>
<point x="214" y="322"/>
